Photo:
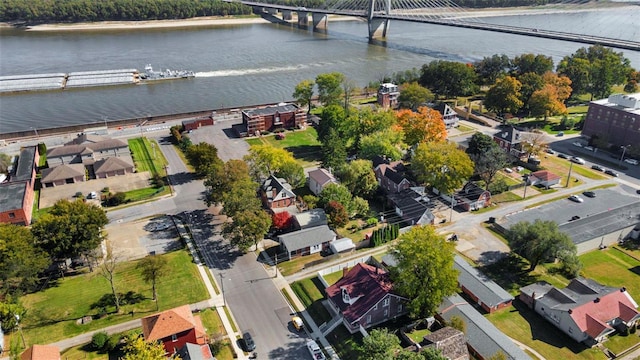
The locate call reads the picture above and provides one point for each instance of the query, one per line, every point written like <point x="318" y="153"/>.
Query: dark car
<point x="563" y="156"/>
<point x="597" y="167"/>
<point x="247" y="342"/>
<point x="611" y="172"/>
<point x="590" y="194"/>
<point x="549" y="151"/>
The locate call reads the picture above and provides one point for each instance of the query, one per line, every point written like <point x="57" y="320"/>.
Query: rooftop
<point x="481" y="285"/>
<point x="12" y="195"/>
<point x="271" y="110"/>
<point x="26" y="163"/>
<point x="306" y="237"/>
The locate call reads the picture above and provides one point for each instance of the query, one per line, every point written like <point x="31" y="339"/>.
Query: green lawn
<point x="52" y="313"/>
<point x="344" y="343"/>
<point x="147" y="156"/>
<point x="214" y="328"/>
<point x="308" y="291"/>
<point x="418" y="335"/>
<point x="333" y="277"/>
<point x="303" y="144"/>
<point x="145" y="193"/>
<point x="614" y="268"/>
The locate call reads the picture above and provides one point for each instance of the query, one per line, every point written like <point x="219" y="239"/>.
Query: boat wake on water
<point x="242" y="72"/>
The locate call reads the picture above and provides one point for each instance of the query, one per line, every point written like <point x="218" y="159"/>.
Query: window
<point x="386" y="312"/>
<point x="12" y="215"/>
<point x="368" y="319"/>
<point x="399" y="308"/>
<point x="174" y="337"/>
<point x="386" y="302"/>
<point x="375" y="307"/>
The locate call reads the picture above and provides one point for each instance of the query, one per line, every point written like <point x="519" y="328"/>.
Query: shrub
<point x="498" y="187"/>
<point x="113" y="342"/>
<point x="372" y="222"/>
<point x="99" y="340"/>
<point x="116" y="199"/>
<point x="105" y="190"/>
<point x="216" y="346"/>
<point x="79" y="194"/>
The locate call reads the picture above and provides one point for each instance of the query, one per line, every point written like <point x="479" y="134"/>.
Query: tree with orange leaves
<point x="426" y="125"/>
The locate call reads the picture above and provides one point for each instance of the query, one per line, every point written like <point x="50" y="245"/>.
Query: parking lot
<point x="223" y="138"/>
<point x="135" y="240"/>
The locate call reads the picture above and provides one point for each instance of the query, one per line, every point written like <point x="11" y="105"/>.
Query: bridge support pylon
<point x="303" y="19"/>
<point x="320" y="21"/>
<point x="287" y="15"/>
<point x="378" y="27"/>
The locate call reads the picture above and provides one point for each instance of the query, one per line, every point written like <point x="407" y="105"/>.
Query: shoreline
<point x="210" y="21"/>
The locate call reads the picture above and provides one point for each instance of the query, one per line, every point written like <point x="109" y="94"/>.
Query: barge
<point x="82" y="79"/>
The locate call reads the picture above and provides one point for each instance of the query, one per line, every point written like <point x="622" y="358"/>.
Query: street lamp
<point x="36" y="131"/>
<point x="624" y="149"/>
<point x="224" y="301"/>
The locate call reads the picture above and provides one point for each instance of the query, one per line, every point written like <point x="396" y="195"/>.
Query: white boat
<point x="315" y="350"/>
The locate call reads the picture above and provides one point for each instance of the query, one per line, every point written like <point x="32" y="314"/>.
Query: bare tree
<point x="153" y="267"/>
<point x="108" y="270"/>
<point x="534" y="144"/>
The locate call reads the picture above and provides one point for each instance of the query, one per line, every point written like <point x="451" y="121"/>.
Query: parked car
<point x="297" y="323"/>
<point x="631" y="161"/>
<point x="590" y="194"/>
<point x="92" y="195"/>
<point x="577" y="143"/>
<point x="588" y="148"/>
<point x="563" y="156"/>
<point x="247" y="341"/>
<point x="314" y="349"/>
<point x="611" y="172"/>
<point x="597" y="167"/>
<point x="576" y="198"/>
<point x="550" y="151"/>
<point x="560" y="134"/>
<point x="508" y="170"/>
<point x="577" y="160"/>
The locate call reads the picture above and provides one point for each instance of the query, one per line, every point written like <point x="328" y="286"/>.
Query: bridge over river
<point x="379" y="13"/>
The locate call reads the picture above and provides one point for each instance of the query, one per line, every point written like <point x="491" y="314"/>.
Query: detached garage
<point x="342" y="245"/>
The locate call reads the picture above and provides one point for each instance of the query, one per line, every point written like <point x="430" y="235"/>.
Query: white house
<point x="319" y="179"/>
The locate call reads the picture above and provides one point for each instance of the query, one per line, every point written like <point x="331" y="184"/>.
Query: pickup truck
<point x="315" y="350"/>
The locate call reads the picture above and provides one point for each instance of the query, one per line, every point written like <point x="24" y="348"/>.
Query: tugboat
<point x="149" y="74"/>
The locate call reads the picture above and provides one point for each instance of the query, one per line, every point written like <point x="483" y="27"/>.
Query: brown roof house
<point x="543" y="178"/>
<point x="63" y="174"/>
<point x="319" y="178"/>
<point x="113" y="166"/>
<point x="364" y="297"/>
<point x="174" y="328"/>
<point x="41" y="352"/>
<point x="390" y="175"/>
<point x="585" y="310"/>
<point x="276" y="193"/>
<point x="88" y="152"/>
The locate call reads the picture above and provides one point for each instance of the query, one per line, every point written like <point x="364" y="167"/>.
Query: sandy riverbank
<point x="220" y="21"/>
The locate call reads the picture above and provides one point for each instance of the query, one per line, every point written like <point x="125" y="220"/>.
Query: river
<point x="257" y="63"/>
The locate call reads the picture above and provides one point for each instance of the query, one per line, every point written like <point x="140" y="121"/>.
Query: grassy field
<point x="308" y="291"/>
<point x="303" y="144"/>
<point x="214" y="328"/>
<point x="52" y="313"/>
<point x="614" y="268"/>
<point x="147" y="156"/>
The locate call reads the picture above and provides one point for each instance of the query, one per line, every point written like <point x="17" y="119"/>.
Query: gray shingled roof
<point x="86" y="148"/>
<point x="579" y="291"/>
<point x="280" y="185"/>
<point x="11" y="195"/>
<point x="286" y="108"/>
<point x="306" y="237"/>
<point x="62" y="172"/>
<point x="111" y="164"/>
<point x="479" y="284"/>
<point x="481" y="334"/>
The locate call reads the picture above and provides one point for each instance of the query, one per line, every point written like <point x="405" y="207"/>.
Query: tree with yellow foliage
<point x="426" y="125"/>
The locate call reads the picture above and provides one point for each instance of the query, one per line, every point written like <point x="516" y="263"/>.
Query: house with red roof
<point x="543" y="178"/>
<point x="585" y="310"/>
<point x="364" y="297"/>
<point x="174" y="328"/>
<point x="41" y="352"/>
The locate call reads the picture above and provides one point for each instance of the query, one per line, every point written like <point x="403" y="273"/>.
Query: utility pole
<point x="166" y="171"/>
<point x="569" y="176"/>
<point x="275" y="265"/>
<point x="24" y="343"/>
<point x="452" y="204"/>
<point x="624" y="149"/>
<point x="526" y="181"/>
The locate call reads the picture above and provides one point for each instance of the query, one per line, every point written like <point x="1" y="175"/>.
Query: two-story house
<point x="510" y="140"/>
<point x="17" y="194"/>
<point x="174" y="328"/>
<point x="276" y="193"/>
<point x="390" y="175"/>
<point x="364" y="297"/>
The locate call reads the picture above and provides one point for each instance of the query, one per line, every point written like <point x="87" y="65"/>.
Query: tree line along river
<point x="239" y="65"/>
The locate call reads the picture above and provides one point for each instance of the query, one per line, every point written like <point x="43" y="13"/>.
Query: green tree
<point x="425" y="272"/>
<point x="334" y="153"/>
<point x="9" y="308"/>
<point x="387" y="143"/>
<point x="310" y="200"/>
<point x="20" y="260"/>
<point x="498" y="356"/>
<point x="531" y="82"/>
<point x="336" y="192"/>
<point x="332" y="117"/>
<point x="480" y="143"/>
<point x="265" y="160"/>
<point x="360" y="207"/>
<point x="490" y="69"/>
<point x="70" y="229"/>
<point x="247" y="228"/>
<point x="531" y="63"/>
<point x="203" y="157"/>
<point x="108" y="271"/>
<point x="457" y="323"/>
<point x="540" y="241"/>
<point x="329" y="88"/>
<point x="292" y="172"/>
<point x="336" y="214"/>
<point x="303" y="93"/>
<point x="136" y="348"/>
<point x="442" y="166"/>
<point x="632" y="82"/>
<point x="605" y="68"/>
<point x="359" y="178"/>
<point x="504" y="96"/>
<point x="152" y="268"/>
<point x="221" y="179"/>
<point x="448" y="78"/>
<point x="488" y="164"/>
<point x="413" y="95"/>
<point x="5" y="161"/>
<point x="379" y="345"/>
<point x="241" y="197"/>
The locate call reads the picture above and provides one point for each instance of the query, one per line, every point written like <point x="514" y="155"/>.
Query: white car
<point x="631" y="161"/>
<point x="577" y="160"/>
<point x="577" y="143"/>
<point x="314" y="349"/>
<point x="588" y="148"/>
<point x="508" y="170"/>
<point x="576" y="198"/>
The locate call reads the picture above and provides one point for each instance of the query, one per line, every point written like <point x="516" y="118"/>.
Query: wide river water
<point x="257" y="63"/>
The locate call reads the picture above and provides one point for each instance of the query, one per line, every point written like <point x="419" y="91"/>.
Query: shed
<point x="342" y="245"/>
<point x="197" y="123"/>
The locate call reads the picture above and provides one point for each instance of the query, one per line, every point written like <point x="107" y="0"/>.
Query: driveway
<point x="137" y="239"/>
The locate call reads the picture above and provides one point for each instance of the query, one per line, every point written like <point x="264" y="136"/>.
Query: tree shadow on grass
<point x="544" y="331"/>
<point x="308" y="153"/>
<point x="510" y="272"/>
<point x="128" y="298"/>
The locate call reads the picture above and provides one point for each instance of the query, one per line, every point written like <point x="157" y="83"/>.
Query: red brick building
<point x="615" y="120"/>
<point x="16" y="195"/>
<point x="270" y="118"/>
<point x="197" y="123"/>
